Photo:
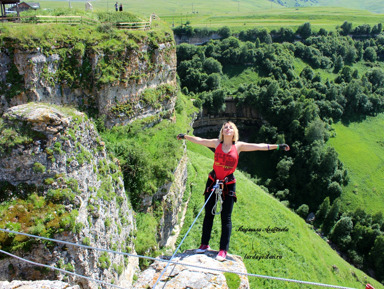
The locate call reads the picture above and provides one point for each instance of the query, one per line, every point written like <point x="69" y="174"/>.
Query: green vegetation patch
<point x="13" y="133"/>
<point x="147" y="155"/>
<point x="33" y="215"/>
<point x="233" y="280"/>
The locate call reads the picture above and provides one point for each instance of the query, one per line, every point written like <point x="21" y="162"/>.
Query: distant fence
<point x="134" y="25"/>
<point x="78" y="20"/>
<point x="63" y="20"/>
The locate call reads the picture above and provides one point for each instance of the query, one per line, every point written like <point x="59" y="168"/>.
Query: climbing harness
<point x="218" y="189"/>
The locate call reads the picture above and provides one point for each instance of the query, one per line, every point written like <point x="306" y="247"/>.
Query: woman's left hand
<point x="284" y="147"/>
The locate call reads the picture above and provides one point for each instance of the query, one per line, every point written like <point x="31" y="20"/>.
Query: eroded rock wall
<point x="58" y="152"/>
<point x="134" y="82"/>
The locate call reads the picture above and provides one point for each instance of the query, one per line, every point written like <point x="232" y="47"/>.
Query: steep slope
<point x="272" y="240"/>
<point x="360" y="147"/>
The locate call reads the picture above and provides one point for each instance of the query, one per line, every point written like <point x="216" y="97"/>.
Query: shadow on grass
<point x="353" y="118"/>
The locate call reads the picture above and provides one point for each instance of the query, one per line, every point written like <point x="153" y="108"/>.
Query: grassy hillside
<point x="370" y="5"/>
<point x="304" y="255"/>
<point x="360" y="146"/>
<point x="236" y="14"/>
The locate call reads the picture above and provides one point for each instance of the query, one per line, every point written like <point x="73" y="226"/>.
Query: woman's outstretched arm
<point x="211" y="143"/>
<point x="248" y="147"/>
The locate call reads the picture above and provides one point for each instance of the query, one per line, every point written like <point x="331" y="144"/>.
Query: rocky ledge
<point x="182" y="276"/>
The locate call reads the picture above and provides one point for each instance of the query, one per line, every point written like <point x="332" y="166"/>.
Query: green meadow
<point x="238" y="15"/>
<point x="360" y="146"/>
<point x="294" y="251"/>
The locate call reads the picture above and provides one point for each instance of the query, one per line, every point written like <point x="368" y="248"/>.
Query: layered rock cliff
<point x="58" y="181"/>
<point x="122" y="76"/>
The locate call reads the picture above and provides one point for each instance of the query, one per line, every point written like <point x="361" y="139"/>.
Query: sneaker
<point x="221" y="256"/>
<point x="202" y="249"/>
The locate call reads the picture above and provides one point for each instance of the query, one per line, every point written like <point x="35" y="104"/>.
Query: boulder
<point x="182" y="276"/>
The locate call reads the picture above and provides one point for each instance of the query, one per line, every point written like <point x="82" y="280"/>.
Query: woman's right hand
<point x="181" y="136"/>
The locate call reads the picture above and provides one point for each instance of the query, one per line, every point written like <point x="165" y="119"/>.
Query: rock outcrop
<point x="244" y="116"/>
<point x="182" y="276"/>
<point x="57" y="180"/>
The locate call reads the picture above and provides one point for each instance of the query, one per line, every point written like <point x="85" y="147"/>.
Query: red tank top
<point x="225" y="163"/>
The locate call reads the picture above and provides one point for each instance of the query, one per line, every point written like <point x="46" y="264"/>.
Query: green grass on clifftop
<point x="295" y="251"/>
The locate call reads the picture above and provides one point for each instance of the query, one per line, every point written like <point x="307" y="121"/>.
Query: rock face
<point x="139" y="82"/>
<point x="181" y="276"/>
<point x="196" y="40"/>
<point x="57" y="153"/>
<point x="242" y="116"/>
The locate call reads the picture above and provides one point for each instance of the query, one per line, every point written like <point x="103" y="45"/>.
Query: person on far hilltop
<point x="121" y="7"/>
<point x="227" y="150"/>
<point x="117" y="6"/>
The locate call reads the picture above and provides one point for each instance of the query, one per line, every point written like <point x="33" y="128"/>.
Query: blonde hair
<point x="236" y="132"/>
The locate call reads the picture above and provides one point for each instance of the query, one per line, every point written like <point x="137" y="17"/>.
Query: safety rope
<point x="185" y="236"/>
<point x="61" y="270"/>
<point x="218" y="192"/>
<point x="169" y="261"/>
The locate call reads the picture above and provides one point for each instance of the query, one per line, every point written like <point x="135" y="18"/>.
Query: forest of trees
<point x="299" y="109"/>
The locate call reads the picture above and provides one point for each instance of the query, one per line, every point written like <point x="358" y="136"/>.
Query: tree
<point x="376" y="29"/>
<point x="364" y="29"/>
<point x="316" y="131"/>
<point x="350" y="55"/>
<point x="303" y="211"/>
<point x="224" y="32"/>
<point x="307" y="73"/>
<point x="304" y="30"/>
<point x="213" y="81"/>
<point x="211" y="65"/>
<point x="185" y="51"/>
<point x="339" y="64"/>
<point x="194" y="80"/>
<point x="331" y="217"/>
<point x="346" y="28"/>
<point x="322" y="212"/>
<point x="346" y="74"/>
<point x="341" y="233"/>
<point x="364" y="238"/>
<point x="282" y="168"/>
<point x="377" y="257"/>
<point x="370" y="54"/>
<point x="334" y="190"/>
<point x="376" y="77"/>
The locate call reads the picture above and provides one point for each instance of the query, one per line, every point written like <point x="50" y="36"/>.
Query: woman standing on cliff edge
<point x="227" y="150"/>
